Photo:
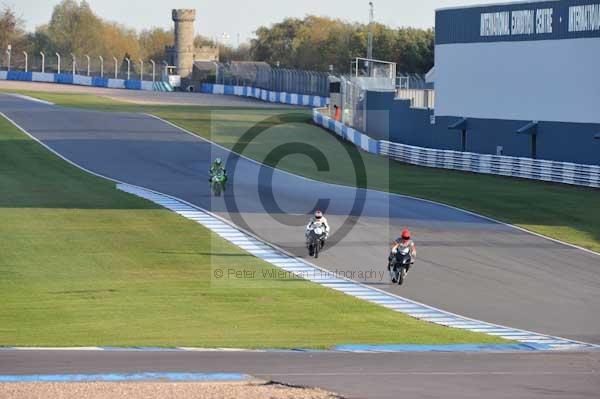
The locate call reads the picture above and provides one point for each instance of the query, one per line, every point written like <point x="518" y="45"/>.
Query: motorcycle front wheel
<point x="401" y="275"/>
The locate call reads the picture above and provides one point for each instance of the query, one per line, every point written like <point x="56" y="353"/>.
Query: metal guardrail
<point x="527" y="168"/>
<point x="265" y="95"/>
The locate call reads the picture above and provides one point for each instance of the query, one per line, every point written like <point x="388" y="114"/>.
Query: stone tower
<point x="184" y="41"/>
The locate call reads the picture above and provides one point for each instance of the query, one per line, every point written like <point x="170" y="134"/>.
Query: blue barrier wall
<point x="394" y="120"/>
<point x="69" y="78"/>
<point x="18" y="75"/>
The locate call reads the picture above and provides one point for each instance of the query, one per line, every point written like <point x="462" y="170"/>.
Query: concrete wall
<point x="394" y="120"/>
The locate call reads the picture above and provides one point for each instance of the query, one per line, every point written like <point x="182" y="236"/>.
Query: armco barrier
<point x="81" y="80"/>
<point x="265" y="95"/>
<point x="359" y="139"/>
<point x="527" y="168"/>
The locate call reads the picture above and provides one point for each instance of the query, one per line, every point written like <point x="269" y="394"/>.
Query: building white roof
<point x="507" y="3"/>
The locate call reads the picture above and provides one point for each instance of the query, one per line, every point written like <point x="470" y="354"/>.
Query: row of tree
<point x="75" y="28"/>
<point x="318" y="42"/>
<point x="312" y="43"/>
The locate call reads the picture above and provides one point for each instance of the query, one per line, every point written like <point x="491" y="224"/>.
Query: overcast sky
<point x="233" y="17"/>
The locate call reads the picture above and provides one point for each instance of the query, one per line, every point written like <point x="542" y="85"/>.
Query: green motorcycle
<point x="217" y="182"/>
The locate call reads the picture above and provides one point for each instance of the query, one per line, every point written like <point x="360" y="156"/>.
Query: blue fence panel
<point x="133" y="84"/>
<point x="64" y="78"/>
<point x="19" y="75"/>
<point x="99" y="82"/>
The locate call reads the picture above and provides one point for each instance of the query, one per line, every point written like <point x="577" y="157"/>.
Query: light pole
<point x="116" y="68"/>
<point x="370" y="37"/>
<point x="153" y="70"/>
<point x="25" y="54"/>
<point x="74" y="62"/>
<point x="141" y="70"/>
<point x="165" y="69"/>
<point x="128" y="68"/>
<point x="8" y="51"/>
<point x="43" y="61"/>
<point x="101" y="66"/>
<point x="88" y="60"/>
<point x="58" y="62"/>
<point x="225" y="38"/>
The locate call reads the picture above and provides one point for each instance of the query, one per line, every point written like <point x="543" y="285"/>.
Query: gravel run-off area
<point x="160" y="390"/>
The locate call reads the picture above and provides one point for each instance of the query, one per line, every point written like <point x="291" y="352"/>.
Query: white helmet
<point x="318" y="214"/>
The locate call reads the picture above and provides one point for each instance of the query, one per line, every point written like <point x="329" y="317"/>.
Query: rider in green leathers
<point x="216" y="167"/>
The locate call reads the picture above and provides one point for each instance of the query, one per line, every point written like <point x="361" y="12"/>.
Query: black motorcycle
<point x="399" y="264"/>
<point x="316" y="238"/>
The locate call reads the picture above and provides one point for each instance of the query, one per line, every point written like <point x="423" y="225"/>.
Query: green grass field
<point x="82" y="264"/>
<point x="563" y="212"/>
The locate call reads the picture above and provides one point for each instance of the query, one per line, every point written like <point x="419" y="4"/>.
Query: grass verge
<point x="567" y="213"/>
<point x="83" y="264"/>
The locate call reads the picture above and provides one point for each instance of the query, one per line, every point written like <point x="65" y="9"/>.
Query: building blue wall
<point x="394" y="120"/>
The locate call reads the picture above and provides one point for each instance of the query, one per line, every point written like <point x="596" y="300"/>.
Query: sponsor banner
<point x="82" y="80"/>
<point x="542" y="20"/>
<point x="116" y="83"/>
<point x="42" y="77"/>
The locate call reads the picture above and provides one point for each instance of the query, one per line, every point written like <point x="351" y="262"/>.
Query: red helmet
<point x="405" y="234"/>
<point x="318" y="214"/>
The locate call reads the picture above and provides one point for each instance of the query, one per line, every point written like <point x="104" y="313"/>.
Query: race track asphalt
<point x="143" y="96"/>
<point x="466" y="264"/>
<point x="366" y="375"/>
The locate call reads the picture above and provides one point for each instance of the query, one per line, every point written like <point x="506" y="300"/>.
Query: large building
<point x="537" y="61"/>
<point x="520" y="79"/>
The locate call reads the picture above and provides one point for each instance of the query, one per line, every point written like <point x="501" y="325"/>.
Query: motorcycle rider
<point x="404" y="241"/>
<point x="317" y="220"/>
<point x="216" y="167"/>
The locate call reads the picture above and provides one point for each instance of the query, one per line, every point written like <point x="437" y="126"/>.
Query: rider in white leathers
<point x="317" y="219"/>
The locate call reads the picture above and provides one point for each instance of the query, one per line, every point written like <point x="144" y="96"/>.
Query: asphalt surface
<point x="374" y="376"/>
<point x="144" y="97"/>
<point x="466" y="264"/>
